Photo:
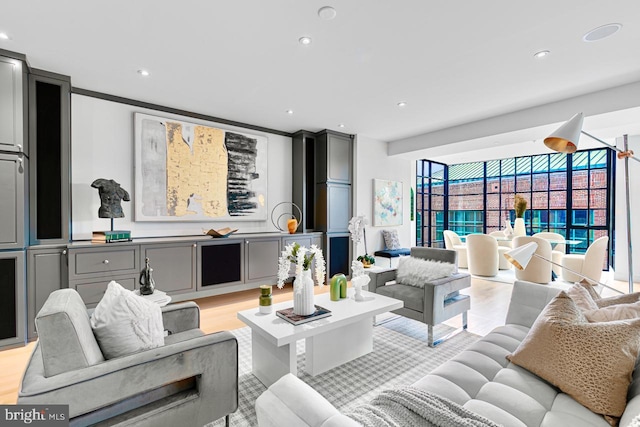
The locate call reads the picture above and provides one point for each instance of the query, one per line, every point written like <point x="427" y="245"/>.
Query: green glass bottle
<point x="265" y="299"/>
<point x="338" y="287"/>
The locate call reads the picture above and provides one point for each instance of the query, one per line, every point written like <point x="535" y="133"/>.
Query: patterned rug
<point x="400" y="356"/>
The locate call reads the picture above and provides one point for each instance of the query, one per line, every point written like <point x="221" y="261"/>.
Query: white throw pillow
<point x="125" y="323"/>
<point x="391" y="240"/>
<point x="416" y="271"/>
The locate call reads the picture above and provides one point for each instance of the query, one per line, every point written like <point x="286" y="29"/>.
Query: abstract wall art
<point x="387" y="202"/>
<point x="192" y="172"/>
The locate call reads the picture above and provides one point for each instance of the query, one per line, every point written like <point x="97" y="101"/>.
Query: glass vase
<point x="303" y="297"/>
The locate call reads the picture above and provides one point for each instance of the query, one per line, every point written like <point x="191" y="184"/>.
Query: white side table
<point x="159" y="297"/>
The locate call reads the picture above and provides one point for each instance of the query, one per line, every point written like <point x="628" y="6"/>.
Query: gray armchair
<point x="190" y="381"/>
<point x="438" y="301"/>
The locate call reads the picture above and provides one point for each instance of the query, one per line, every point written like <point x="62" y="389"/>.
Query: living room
<point x="399" y="83"/>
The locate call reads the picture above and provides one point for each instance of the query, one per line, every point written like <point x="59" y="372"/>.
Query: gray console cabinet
<point x="46" y="272"/>
<point x="261" y="259"/>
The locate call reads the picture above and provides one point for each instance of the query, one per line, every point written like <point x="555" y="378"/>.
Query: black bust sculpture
<point x="110" y="196"/>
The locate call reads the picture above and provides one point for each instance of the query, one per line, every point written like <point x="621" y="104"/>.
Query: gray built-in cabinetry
<point x="184" y="267"/>
<point x="322" y="188"/>
<point x="47" y="272"/>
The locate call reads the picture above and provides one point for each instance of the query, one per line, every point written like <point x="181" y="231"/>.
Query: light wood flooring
<point x="489" y="302"/>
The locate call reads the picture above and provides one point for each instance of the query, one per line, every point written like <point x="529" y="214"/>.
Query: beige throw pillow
<point x="582" y="297"/>
<point x="591" y="362"/>
<point x="613" y="312"/>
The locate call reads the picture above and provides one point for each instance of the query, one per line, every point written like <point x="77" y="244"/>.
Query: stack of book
<point x="297" y="319"/>
<point x="111" y="236"/>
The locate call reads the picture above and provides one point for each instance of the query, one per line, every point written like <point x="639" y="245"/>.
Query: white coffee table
<point x="332" y="341"/>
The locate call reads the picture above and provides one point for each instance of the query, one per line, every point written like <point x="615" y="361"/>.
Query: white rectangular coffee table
<point x="332" y="341"/>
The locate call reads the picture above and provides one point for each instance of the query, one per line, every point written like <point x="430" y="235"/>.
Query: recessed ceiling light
<point x="541" y="54"/>
<point x="143" y="73"/>
<point x="327" y="12"/>
<point x="341" y="125"/>
<point x="601" y="32"/>
<point x="305" y="40"/>
<point x="289" y="112"/>
<point x="4" y="36"/>
<point x="402" y="104"/>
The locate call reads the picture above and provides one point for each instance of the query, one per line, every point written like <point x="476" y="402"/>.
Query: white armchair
<point x="482" y="251"/>
<point x="453" y="242"/>
<point x="557" y="252"/>
<point x="589" y="264"/>
<point x="538" y="270"/>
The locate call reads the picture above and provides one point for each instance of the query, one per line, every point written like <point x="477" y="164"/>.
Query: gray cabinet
<point x="303" y="152"/>
<point x="12" y="201"/>
<point x="49" y="152"/>
<point x="46" y="272"/>
<point x="12" y="301"/>
<point x="12" y="105"/>
<point x="220" y="262"/>
<point x="173" y="264"/>
<point x="261" y="257"/>
<point x="334" y="207"/>
<point x="334" y="157"/>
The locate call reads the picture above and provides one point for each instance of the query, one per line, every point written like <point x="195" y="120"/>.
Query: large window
<point x="566" y="194"/>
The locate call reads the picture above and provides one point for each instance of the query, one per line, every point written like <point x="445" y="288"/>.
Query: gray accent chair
<point x="190" y="381"/>
<point x="438" y="301"/>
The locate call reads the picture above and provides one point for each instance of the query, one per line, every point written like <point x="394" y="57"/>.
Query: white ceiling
<point x="453" y="62"/>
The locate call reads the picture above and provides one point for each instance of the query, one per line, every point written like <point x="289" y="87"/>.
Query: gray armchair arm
<point x="181" y="317"/>
<point x="381" y="278"/>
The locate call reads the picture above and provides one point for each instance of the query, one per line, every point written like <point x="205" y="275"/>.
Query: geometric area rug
<point x="400" y="357"/>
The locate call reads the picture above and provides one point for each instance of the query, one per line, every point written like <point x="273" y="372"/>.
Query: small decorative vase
<point x="303" y="294"/>
<point x="265" y="299"/>
<point x="508" y="230"/>
<point x="519" y="228"/>
<point x="336" y="284"/>
<point x="292" y="225"/>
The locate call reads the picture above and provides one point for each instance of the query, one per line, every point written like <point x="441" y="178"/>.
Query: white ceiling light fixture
<point x="305" y="40"/>
<point x="601" y="32"/>
<point x="541" y="54"/>
<point x="341" y="125"/>
<point x="327" y="13"/>
<point x="402" y="104"/>
<point x="4" y="36"/>
<point x="143" y="73"/>
<point x="289" y="112"/>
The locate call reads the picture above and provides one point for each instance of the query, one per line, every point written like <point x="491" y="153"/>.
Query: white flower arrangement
<point x="302" y="257"/>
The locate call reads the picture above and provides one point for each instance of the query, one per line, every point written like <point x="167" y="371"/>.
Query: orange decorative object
<point x="292" y="225"/>
<point x="628" y="153"/>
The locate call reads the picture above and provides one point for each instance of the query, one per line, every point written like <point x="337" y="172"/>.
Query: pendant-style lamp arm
<point x="627" y="154"/>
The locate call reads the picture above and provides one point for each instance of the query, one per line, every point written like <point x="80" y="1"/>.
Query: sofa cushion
<point x="566" y="350"/>
<point x="582" y="297"/>
<point x="125" y="323"/>
<point x="414" y="271"/>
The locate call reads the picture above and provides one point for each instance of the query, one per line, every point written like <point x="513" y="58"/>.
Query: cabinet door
<point x="12" y="199"/>
<point x="339" y="159"/>
<point x="262" y="259"/>
<point x="12" y="302"/>
<point x="339" y="207"/>
<point x="46" y="272"/>
<point x="11" y="105"/>
<point x="174" y="266"/>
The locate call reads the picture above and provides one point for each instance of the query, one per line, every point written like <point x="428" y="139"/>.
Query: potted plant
<point x="520" y="206"/>
<point x="356" y="228"/>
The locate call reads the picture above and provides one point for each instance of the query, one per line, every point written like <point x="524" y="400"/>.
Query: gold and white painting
<point x="193" y="172"/>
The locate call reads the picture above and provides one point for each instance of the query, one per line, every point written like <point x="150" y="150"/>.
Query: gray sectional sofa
<point x="479" y="378"/>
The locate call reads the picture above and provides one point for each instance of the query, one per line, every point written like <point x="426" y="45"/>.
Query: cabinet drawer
<point x="87" y="262"/>
<point x="92" y="291"/>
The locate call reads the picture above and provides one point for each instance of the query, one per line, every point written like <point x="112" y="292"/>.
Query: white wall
<point x="622" y="270"/>
<point x="102" y="147"/>
<point x="372" y="162"/>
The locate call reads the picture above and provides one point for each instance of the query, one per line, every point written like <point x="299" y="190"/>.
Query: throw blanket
<point x="408" y="407"/>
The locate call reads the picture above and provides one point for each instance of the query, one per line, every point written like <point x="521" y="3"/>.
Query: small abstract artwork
<point x="193" y="172"/>
<point x="387" y="202"/>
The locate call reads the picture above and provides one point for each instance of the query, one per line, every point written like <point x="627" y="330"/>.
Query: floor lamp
<point x="565" y="140"/>
<point x="521" y="256"/>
